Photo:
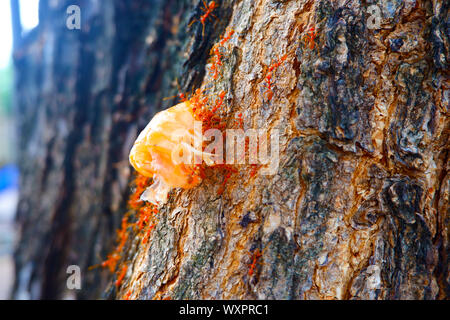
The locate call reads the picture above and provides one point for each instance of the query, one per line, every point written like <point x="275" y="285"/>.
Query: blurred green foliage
<point x="6" y="79"/>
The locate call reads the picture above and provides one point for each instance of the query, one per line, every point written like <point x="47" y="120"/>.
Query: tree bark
<point x="357" y="210"/>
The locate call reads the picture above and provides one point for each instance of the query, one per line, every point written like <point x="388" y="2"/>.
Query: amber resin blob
<point x="159" y="148"/>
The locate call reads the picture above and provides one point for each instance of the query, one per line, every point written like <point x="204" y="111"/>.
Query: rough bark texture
<point x="357" y="210"/>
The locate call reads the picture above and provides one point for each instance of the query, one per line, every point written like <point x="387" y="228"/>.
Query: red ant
<point x="181" y="96"/>
<point x="145" y="214"/>
<point x="147" y="234"/>
<point x="254" y="170"/>
<point x="309" y="37"/>
<point x="114" y="257"/>
<point x="217" y="58"/>
<point x="208" y="9"/>
<point x="255" y="257"/>
<point x="127" y="296"/>
<point x="269" y="83"/>
<point x="228" y="170"/>
<point x="220" y="102"/>
<point x="240" y="121"/>
<point x="110" y="262"/>
<point x="227" y="37"/>
<point x="121" y="275"/>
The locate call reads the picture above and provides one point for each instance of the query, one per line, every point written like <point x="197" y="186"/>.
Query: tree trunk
<point x="358" y="208"/>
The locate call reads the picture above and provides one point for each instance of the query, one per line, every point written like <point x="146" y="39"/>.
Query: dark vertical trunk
<point x="82" y="95"/>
